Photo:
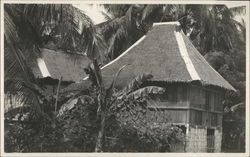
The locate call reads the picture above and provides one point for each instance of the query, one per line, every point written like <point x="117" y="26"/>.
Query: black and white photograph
<point x="124" y="77"/>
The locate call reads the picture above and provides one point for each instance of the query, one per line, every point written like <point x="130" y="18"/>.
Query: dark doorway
<point x="210" y="140"/>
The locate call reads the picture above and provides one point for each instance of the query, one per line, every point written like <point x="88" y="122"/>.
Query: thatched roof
<point x="168" y="55"/>
<point x="56" y="64"/>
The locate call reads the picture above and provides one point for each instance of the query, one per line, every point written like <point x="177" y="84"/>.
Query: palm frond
<point x="117" y="10"/>
<point x="238" y="10"/>
<point x="95" y="44"/>
<point x="115" y="32"/>
<point x="107" y="17"/>
<point x="136" y="83"/>
<point x="10" y="30"/>
<point x="110" y="90"/>
<point x="148" y="10"/>
<point x="237" y="107"/>
<point x="72" y="102"/>
<point x="129" y="13"/>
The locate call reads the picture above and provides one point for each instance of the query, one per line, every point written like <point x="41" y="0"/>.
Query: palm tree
<point x="211" y="27"/>
<point x="215" y="28"/>
<point x="120" y="30"/>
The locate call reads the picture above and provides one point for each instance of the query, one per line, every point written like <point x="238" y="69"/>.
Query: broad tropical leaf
<point x="238" y="10"/>
<point x="237" y="106"/>
<point x="110" y="90"/>
<point x="72" y="102"/>
<point x="144" y="92"/>
<point x="136" y="83"/>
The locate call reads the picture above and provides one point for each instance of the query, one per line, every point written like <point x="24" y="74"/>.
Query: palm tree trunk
<point x="101" y="111"/>
<point x="57" y="93"/>
<point x="100" y="138"/>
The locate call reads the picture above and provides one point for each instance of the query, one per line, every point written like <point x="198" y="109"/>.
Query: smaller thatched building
<point x="53" y="65"/>
<point x="194" y="90"/>
<point x="56" y="64"/>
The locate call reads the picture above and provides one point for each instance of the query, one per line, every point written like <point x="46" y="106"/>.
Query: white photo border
<point x="2" y="153"/>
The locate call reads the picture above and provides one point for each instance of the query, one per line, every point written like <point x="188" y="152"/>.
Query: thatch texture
<point x="159" y="54"/>
<point x="60" y="64"/>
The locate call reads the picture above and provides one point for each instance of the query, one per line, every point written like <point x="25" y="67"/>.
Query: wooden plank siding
<point x="175" y="96"/>
<point x="170" y="116"/>
<point x="190" y="104"/>
<point x="205" y="98"/>
<point x="206" y="106"/>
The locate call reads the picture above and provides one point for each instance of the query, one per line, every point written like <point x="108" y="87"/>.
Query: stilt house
<point x="194" y="90"/>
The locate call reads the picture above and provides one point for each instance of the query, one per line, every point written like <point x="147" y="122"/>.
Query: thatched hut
<point x="194" y="90"/>
<point x="57" y="63"/>
<point x="53" y="65"/>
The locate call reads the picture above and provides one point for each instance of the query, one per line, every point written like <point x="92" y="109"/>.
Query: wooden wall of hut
<point x="205" y="106"/>
<point x="188" y="103"/>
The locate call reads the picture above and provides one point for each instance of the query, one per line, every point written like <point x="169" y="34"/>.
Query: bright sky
<point x="230" y="5"/>
<point x="94" y="11"/>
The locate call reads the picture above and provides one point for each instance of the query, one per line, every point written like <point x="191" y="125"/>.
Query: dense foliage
<point x="128" y="126"/>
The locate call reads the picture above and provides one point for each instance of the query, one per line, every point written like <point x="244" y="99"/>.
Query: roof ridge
<point x="185" y="56"/>
<point x="167" y="23"/>
<point x="209" y="66"/>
